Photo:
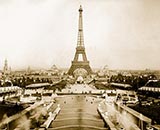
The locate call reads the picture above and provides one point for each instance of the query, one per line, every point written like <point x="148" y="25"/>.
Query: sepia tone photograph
<point x="79" y="65"/>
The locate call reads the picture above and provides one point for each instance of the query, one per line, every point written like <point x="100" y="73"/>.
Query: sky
<point x="123" y="34"/>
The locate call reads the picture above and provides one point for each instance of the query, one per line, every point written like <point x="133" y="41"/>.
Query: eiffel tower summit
<point x="80" y="63"/>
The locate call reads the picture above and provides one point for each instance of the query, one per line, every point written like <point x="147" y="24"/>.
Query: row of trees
<point x="23" y="81"/>
<point x="134" y="80"/>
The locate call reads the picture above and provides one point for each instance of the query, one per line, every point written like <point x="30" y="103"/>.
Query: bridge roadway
<point x="78" y="112"/>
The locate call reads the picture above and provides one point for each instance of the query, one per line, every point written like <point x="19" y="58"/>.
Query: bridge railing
<point x="106" y="120"/>
<point x="51" y="117"/>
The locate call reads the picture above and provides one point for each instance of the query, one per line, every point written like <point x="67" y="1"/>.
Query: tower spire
<point x="80" y="41"/>
<point x="5" y="68"/>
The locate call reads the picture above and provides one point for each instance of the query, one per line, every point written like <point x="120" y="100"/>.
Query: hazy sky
<point x="123" y="34"/>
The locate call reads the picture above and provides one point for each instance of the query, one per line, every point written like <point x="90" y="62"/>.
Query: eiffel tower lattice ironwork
<point x="80" y="58"/>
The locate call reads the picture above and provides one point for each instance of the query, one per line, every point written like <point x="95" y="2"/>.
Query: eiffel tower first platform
<point x="80" y="59"/>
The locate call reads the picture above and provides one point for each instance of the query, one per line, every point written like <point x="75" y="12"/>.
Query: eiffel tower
<point x="80" y="59"/>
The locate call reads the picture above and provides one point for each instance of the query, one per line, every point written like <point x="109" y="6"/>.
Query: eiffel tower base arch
<point x="78" y="65"/>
